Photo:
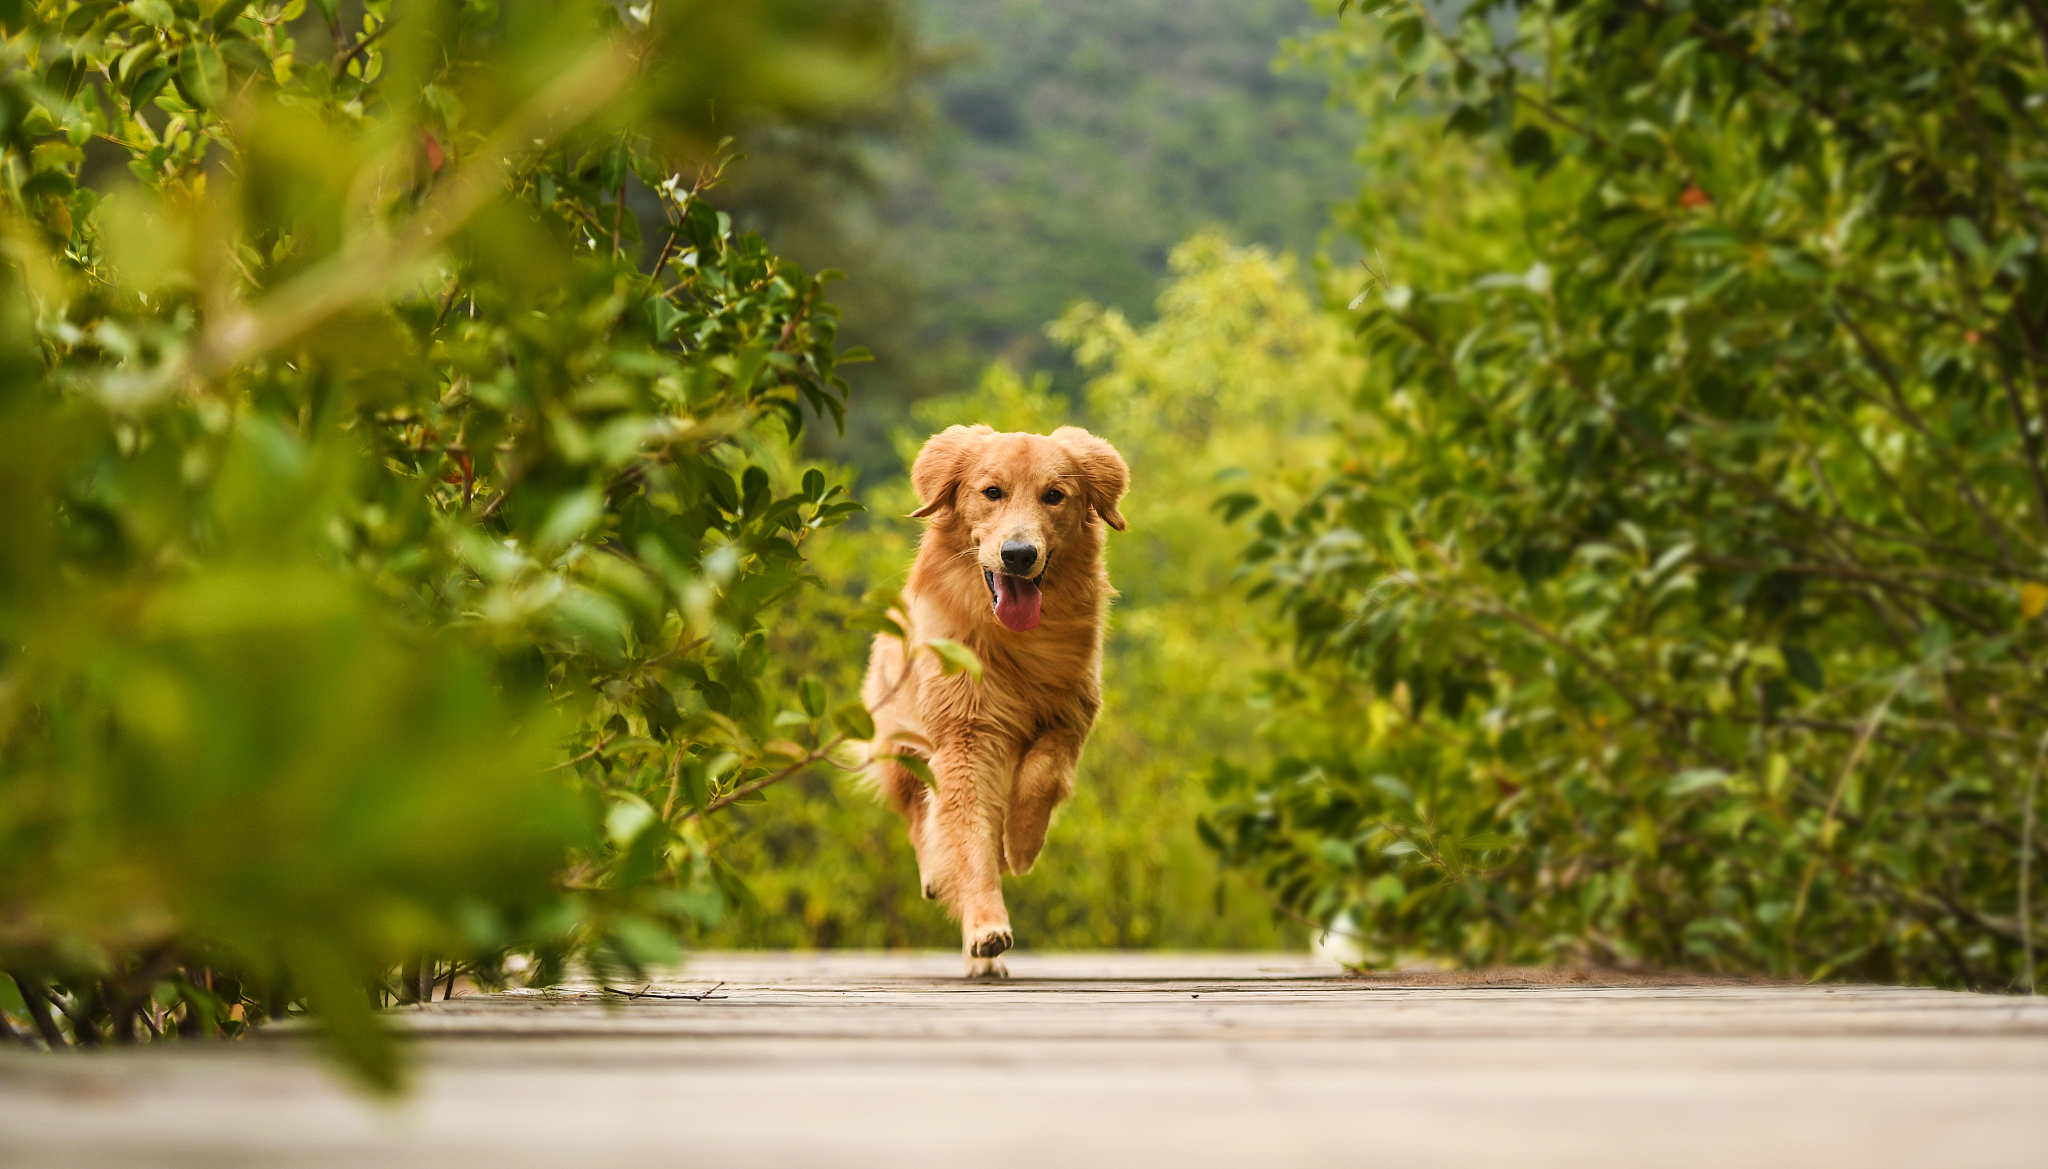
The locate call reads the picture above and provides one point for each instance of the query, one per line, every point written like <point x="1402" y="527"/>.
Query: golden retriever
<point x="1010" y="567"/>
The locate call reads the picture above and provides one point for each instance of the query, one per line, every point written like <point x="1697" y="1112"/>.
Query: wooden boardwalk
<point x="1082" y="1060"/>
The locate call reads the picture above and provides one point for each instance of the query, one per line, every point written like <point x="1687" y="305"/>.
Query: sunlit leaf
<point x="955" y="658"/>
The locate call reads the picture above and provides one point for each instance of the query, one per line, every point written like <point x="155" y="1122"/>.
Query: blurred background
<point x="1036" y="156"/>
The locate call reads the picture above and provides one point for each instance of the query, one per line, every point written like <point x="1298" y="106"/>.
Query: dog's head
<point x="1018" y="500"/>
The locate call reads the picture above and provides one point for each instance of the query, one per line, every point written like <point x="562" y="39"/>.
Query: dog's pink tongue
<point x="1017" y="603"/>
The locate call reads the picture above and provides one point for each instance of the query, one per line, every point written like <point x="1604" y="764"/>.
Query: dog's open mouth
<point x="1015" y="598"/>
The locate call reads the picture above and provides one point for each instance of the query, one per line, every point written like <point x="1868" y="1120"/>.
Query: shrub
<point x="1678" y="599"/>
<point x="397" y="481"/>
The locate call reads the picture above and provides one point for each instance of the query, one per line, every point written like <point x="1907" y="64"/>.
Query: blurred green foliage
<point x="1679" y="598"/>
<point x="1039" y="153"/>
<point x="387" y="552"/>
<point x="1231" y="376"/>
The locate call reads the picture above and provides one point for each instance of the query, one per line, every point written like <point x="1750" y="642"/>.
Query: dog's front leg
<point x="1044" y="782"/>
<point x="974" y="774"/>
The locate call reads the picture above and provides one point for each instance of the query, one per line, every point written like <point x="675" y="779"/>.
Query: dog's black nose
<point x="1018" y="557"/>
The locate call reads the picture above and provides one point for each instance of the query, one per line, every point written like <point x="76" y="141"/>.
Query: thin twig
<point x="618" y="218"/>
<point x="447" y="302"/>
<point x="667" y="249"/>
<point x="746" y="790"/>
<point x="341" y="63"/>
<point x="2026" y="868"/>
<point x="816" y="755"/>
<point x="675" y="779"/>
<point x="36" y="997"/>
<point x="1827" y="819"/>
<point x="602" y="742"/>
<point x="644" y="993"/>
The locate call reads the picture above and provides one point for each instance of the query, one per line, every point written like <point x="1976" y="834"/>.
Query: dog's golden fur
<point x="1003" y="751"/>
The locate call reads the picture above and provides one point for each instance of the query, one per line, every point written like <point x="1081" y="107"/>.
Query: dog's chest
<point x="1036" y="683"/>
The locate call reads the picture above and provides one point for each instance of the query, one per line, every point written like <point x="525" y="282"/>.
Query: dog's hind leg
<point x="1044" y="782"/>
<point x="913" y="801"/>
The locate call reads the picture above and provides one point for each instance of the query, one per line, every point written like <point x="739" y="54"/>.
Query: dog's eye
<point x="1054" y="496"/>
<point x="994" y="493"/>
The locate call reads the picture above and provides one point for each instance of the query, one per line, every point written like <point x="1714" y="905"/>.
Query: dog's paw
<point x="991" y="942"/>
<point x="987" y="968"/>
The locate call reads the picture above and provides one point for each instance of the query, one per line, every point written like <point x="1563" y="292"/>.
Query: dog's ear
<point x="943" y="463"/>
<point x="1102" y="470"/>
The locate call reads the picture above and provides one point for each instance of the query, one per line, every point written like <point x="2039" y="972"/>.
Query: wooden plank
<point x="1120" y="1059"/>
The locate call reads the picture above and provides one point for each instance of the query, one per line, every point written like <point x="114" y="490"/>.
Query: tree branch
<point x="341" y="62"/>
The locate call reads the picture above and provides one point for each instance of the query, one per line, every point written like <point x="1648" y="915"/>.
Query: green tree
<point x="1679" y="599"/>
<point x="387" y="544"/>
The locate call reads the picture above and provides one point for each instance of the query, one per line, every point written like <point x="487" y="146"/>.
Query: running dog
<point x="1010" y="567"/>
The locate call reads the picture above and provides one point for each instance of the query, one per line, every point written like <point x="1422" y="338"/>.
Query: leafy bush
<point x="1678" y="597"/>
<point x="398" y="480"/>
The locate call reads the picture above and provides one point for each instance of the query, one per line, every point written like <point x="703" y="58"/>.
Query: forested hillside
<point x="1048" y="152"/>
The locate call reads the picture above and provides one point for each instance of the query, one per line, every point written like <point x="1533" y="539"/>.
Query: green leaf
<point x="954" y="658"/>
<point x="1394" y="789"/>
<point x="1696" y="779"/>
<point x="813" y="694"/>
<point x="1708" y="239"/>
<point x="572" y="515"/>
<point x="627" y="819"/>
<point x="202" y="77"/>
<point x="1968" y="240"/>
<point x="854" y="721"/>
<point x="1466" y="120"/>
<point x="1235" y="505"/>
<point x="916" y="765"/>
<point x="1481" y="841"/>
<point x="645" y="942"/>
<point x="1803" y="667"/>
<point x="147" y="85"/>
<point x="877" y="622"/>
<point x="1531" y="146"/>
<point x="155" y="13"/>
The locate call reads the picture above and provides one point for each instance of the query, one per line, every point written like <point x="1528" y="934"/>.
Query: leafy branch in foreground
<point x="361" y="467"/>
